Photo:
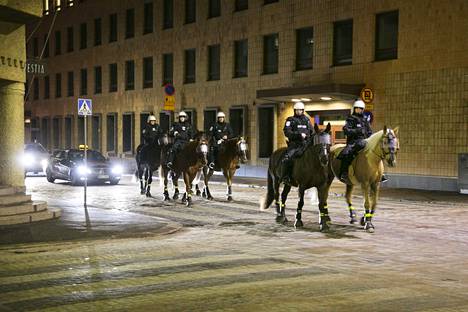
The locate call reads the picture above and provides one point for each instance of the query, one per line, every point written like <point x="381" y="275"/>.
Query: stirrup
<point x="211" y="165"/>
<point x="169" y="165"/>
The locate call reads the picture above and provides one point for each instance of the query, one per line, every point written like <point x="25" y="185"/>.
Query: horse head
<point x="202" y="147"/>
<point x="164" y="139"/>
<point x="390" y="145"/>
<point x="323" y="140"/>
<point x="242" y="148"/>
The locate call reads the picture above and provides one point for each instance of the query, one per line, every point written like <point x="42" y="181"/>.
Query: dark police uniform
<point x="217" y="131"/>
<point x="182" y="132"/>
<point x="151" y="133"/>
<point x="293" y="129"/>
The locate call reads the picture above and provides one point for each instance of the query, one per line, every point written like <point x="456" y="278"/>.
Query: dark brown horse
<point x="310" y="170"/>
<point x="188" y="163"/>
<point x="231" y="152"/>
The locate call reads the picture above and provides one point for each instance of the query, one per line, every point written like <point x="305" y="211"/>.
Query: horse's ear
<point x="316" y="128"/>
<point x="396" y="130"/>
<point x="384" y="129"/>
<point x="328" y="128"/>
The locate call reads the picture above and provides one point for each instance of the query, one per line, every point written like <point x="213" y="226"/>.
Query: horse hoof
<point x="281" y="219"/>
<point x="362" y="221"/>
<point x="198" y="193"/>
<point x="148" y="194"/>
<point x="324" y="227"/>
<point x="166" y="198"/>
<point x="353" y="221"/>
<point x="204" y="194"/>
<point x="210" y="197"/>
<point x="142" y="192"/>
<point x="298" y="224"/>
<point x="188" y="202"/>
<point x="369" y="227"/>
<point x="175" y="197"/>
<point x="229" y="198"/>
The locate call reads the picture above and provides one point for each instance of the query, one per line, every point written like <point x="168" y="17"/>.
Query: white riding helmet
<point x="183" y="114"/>
<point x="298" y="105"/>
<point x="359" y="104"/>
<point x="221" y="114"/>
<point x="150" y="118"/>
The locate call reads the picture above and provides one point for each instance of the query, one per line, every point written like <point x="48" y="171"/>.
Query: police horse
<point x="311" y="169"/>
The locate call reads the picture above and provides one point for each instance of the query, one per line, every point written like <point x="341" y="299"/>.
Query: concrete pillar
<point x="11" y="133"/>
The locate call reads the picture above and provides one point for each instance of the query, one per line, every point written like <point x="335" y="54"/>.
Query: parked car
<point x="69" y="165"/>
<point x="35" y="158"/>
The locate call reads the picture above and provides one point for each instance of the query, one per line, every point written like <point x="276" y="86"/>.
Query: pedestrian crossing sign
<point x="85" y="107"/>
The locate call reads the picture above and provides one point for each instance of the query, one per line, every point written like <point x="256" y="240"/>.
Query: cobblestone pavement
<point x="233" y="257"/>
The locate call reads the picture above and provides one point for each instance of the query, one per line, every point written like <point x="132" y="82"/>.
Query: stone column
<point x="11" y="133"/>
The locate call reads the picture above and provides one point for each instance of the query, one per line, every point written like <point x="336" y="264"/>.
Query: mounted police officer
<point x="357" y="130"/>
<point x="151" y="132"/>
<point x="219" y="131"/>
<point x="298" y="130"/>
<point x="182" y="132"/>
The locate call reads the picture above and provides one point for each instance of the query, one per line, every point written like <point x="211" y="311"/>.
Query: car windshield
<point x="35" y="148"/>
<point x="92" y="155"/>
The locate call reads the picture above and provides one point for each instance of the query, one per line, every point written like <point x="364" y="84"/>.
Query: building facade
<point x="252" y="59"/>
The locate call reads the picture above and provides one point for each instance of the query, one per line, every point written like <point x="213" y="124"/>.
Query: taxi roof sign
<point x="82" y="147"/>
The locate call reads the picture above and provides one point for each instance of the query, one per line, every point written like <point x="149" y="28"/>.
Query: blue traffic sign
<point x="85" y="107"/>
<point x="369" y="116"/>
<point x="169" y="89"/>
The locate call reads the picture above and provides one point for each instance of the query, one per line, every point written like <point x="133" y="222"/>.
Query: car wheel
<point x="114" y="181"/>
<point x="49" y="176"/>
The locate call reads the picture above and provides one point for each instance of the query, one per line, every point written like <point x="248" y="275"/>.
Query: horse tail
<point x="266" y="202"/>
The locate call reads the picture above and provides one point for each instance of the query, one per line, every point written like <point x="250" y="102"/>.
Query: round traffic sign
<point x="169" y="89"/>
<point x="369" y="116"/>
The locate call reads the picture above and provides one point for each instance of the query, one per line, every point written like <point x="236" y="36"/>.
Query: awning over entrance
<point x="337" y="92"/>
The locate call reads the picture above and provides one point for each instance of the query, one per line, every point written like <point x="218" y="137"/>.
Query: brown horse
<point x="310" y="170"/>
<point x="188" y="162"/>
<point x="367" y="169"/>
<point x="230" y="153"/>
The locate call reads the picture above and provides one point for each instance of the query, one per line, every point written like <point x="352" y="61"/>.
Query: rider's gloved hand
<point x="303" y="135"/>
<point x="220" y="141"/>
<point x="191" y="140"/>
<point x="225" y="137"/>
<point x="176" y="133"/>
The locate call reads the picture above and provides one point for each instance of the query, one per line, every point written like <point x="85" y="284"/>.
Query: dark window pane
<point x="241" y="58"/>
<point x="111" y="126"/>
<point x="80" y="130"/>
<point x="269" y="1"/>
<point x="68" y="132"/>
<point x="270" y="54"/>
<point x="168" y="18"/>
<point x="209" y="118"/>
<point x="129" y="75"/>
<point x="83" y="36"/>
<point x="130" y="23"/>
<point x="214" y="9"/>
<point x="148" y="72"/>
<point x="45" y="132"/>
<point x="36" y="88"/>
<point x="70" y="84"/>
<point x="45" y="54"/>
<point x="58" y="85"/>
<point x="127" y="133"/>
<point x="113" y="77"/>
<point x="143" y="122"/>
<point x="237" y="120"/>
<point x="148" y="18"/>
<point x="167" y="68"/>
<point x="58" y="42"/>
<point x="84" y="81"/>
<point x="46" y="87"/>
<point x="112" y="27"/>
<point x="241" y="5"/>
<point x="97" y="79"/>
<point x="343" y="43"/>
<point x="265" y="131"/>
<point x="70" y="39"/>
<point x="386" y="38"/>
<point x="190" y="67"/>
<point x="304" y="48"/>
<point x="190" y="11"/>
<point x="56" y="132"/>
<point x="96" y="132"/>
<point x="214" y="62"/>
<point x="35" y="47"/>
<point x="97" y="32"/>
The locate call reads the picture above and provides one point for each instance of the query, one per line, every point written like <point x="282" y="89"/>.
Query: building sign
<point x="35" y="67"/>
<point x="367" y="95"/>
<point x="169" y="103"/>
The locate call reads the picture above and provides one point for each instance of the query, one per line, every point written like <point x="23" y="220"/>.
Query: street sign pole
<point x="85" y="109"/>
<point x="85" y="160"/>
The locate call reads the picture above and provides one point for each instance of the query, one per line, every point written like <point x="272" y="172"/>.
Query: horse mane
<point x="373" y="140"/>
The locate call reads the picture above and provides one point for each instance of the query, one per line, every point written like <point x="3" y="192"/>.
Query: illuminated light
<point x="117" y="170"/>
<point x="296" y="100"/>
<point x="27" y="120"/>
<point x="82" y="170"/>
<point x="305" y="100"/>
<point x="325" y="98"/>
<point x="28" y="159"/>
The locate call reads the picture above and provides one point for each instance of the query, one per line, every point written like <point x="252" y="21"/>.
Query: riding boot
<point x="211" y="159"/>
<point x="383" y="179"/>
<point x="286" y="171"/>
<point x="344" y="177"/>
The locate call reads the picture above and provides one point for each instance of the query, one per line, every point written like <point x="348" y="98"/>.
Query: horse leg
<point x="298" y="223"/>
<point x="374" y="193"/>
<point x="352" y="212"/>
<point x="229" y="174"/>
<point x="197" y="189"/>
<point x="366" y="219"/>
<point x="150" y="179"/>
<point x="188" y="189"/>
<point x="276" y="185"/>
<point x="207" y="189"/>
<point x="325" y="220"/>
<point x="166" y="192"/>
<point x="284" y="196"/>
<point x="175" y="182"/>
<point x="140" y="176"/>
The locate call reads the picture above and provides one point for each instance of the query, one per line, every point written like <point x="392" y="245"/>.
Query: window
<point x="241" y="5"/>
<point x="265" y="131"/>
<point x="97" y="79"/>
<point x="168" y="18"/>
<point x="241" y="58"/>
<point x="35" y="47"/>
<point x="343" y="43"/>
<point x="167" y="68"/>
<point x="58" y="85"/>
<point x="68" y="132"/>
<point x="70" y="43"/>
<point x="270" y="54"/>
<point x="46" y="87"/>
<point x="386" y="36"/>
<point x="97" y="32"/>
<point x="113" y="77"/>
<point x="45" y="54"/>
<point x="56" y="131"/>
<point x="191" y="116"/>
<point x="113" y="27"/>
<point x="70" y="91"/>
<point x="58" y="42"/>
<point x="130" y="23"/>
<point x="189" y="74"/>
<point x="237" y="119"/>
<point x="127" y="133"/>
<point x="36" y="88"/>
<point x="148" y="18"/>
<point x="148" y="72"/>
<point x="269" y="1"/>
<point x="80" y="130"/>
<point x="165" y="118"/>
<point x="83" y="36"/>
<point x="190" y="11"/>
<point x="213" y="62"/>
<point x="304" y="48"/>
<point x="209" y="118"/>
<point x="143" y="122"/>
<point x="130" y="75"/>
<point x="45" y="132"/>
<point x="96" y="132"/>
<point x="214" y="8"/>
<point x="111" y="125"/>
<point x="84" y="81"/>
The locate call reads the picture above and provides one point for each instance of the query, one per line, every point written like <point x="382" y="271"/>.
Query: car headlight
<point x="83" y="170"/>
<point x="28" y="159"/>
<point x="117" y="169"/>
<point x="44" y="163"/>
